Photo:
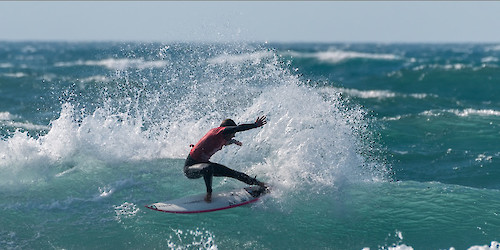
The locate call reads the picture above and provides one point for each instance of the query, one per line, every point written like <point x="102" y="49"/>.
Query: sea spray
<point x="143" y="113"/>
<point x="118" y="142"/>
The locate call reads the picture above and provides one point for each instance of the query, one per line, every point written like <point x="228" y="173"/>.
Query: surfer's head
<point x="228" y="123"/>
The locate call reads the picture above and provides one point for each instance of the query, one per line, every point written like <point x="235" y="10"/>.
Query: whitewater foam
<point x="485" y="63"/>
<point x="15" y="75"/>
<point x="489" y="59"/>
<point x="6" y="65"/>
<point x="312" y="138"/>
<point x="376" y="94"/>
<point x="125" y="210"/>
<point x="191" y="239"/>
<point x="492" y="48"/>
<point x="6" y="116"/>
<point x="337" y="56"/>
<point x="253" y="58"/>
<point x="116" y="64"/>
<point x="494" y="245"/>
<point x="315" y="145"/>
<point x="10" y="120"/>
<point x="463" y="112"/>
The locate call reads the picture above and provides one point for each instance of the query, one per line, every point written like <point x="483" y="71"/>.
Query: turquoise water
<point x="367" y="145"/>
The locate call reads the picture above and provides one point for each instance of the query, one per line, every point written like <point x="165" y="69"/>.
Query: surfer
<point x="198" y="164"/>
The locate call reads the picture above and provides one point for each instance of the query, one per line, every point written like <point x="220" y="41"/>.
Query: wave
<point x="254" y="58"/>
<point x="486" y="63"/>
<point x="6" y="116"/>
<point x="95" y="78"/>
<point x="6" y="65"/>
<point x="458" y="112"/>
<point x="492" y="48"/>
<point x="9" y="120"/>
<point x="489" y="59"/>
<point x="158" y="118"/>
<point x="15" y="75"/>
<point x="378" y="94"/>
<point x="115" y="64"/>
<point x="456" y="66"/>
<point x="24" y="125"/>
<point x="366" y="94"/>
<point x="337" y="56"/>
<point x="463" y="112"/>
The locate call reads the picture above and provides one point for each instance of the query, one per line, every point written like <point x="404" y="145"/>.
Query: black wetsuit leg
<point x="221" y="170"/>
<point x="195" y="170"/>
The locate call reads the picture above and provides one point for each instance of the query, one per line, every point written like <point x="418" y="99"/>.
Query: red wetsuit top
<point x="208" y="145"/>
<point x="214" y="140"/>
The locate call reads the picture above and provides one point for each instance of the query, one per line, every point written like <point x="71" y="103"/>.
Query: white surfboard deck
<point x="220" y="201"/>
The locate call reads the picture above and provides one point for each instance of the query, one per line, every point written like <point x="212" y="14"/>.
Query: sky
<point x="254" y="21"/>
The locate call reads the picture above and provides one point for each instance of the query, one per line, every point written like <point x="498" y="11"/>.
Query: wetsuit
<point x="197" y="163"/>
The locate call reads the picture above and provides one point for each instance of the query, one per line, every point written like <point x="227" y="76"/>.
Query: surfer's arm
<point x="261" y="121"/>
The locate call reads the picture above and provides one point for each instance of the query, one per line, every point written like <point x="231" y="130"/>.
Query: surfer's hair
<point x="228" y="123"/>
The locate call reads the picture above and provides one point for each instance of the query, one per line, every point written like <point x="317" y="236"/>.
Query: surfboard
<point x="220" y="201"/>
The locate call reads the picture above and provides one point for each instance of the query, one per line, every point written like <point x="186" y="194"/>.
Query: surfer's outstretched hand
<point x="261" y="121"/>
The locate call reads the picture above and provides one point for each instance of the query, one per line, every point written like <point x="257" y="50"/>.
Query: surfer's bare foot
<point x="208" y="198"/>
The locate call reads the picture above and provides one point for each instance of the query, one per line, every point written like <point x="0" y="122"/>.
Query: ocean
<point x="367" y="146"/>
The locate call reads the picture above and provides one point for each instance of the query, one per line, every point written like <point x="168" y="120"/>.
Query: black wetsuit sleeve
<point x="239" y="128"/>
